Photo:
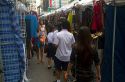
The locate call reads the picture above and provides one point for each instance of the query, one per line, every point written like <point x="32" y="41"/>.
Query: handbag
<point x="42" y="39"/>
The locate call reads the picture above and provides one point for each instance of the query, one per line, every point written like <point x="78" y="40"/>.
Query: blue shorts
<point x="60" y="65"/>
<point x="50" y="51"/>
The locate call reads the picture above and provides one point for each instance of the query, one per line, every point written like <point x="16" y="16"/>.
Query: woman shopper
<point x="42" y="38"/>
<point x="83" y="56"/>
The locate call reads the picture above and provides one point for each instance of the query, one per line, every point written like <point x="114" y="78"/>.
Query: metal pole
<point x="114" y="37"/>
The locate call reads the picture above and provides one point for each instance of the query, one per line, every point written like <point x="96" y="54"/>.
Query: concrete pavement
<point x="39" y="72"/>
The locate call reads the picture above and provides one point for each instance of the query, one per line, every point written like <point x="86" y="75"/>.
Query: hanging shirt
<point x="64" y="41"/>
<point x="97" y="23"/>
<point x="70" y="18"/>
<point x="22" y="23"/>
<point x="32" y="25"/>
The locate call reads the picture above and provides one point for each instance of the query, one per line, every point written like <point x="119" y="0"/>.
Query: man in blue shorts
<point x="63" y="41"/>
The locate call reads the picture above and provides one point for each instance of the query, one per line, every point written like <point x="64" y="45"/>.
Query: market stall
<point x="12" y="50"/>
<point x="106" y="17"/>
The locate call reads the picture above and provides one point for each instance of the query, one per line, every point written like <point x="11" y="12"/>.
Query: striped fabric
<point x="1" y="67"/>
<point x="11" y="44"/>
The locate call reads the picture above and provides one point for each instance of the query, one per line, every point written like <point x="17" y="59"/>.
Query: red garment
<point x="32" y="40"/>
<point x="50" y="4"/>
<point x="97" y="23"/>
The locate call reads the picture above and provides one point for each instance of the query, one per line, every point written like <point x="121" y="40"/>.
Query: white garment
<point x="50" y="37"/>
<point x="25" y="79"/>
<point x="55" y="35"/>
<point x="64" y="41"/>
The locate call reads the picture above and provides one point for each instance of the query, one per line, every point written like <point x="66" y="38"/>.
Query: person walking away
<point x="54" y="48"/>
<point x="63" y="41"/>
<point x="54" y="37"/>
<point x="50" y="51"/>
<point x="83" y="56"/>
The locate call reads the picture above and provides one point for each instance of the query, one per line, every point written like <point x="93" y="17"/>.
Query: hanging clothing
<point x="119" y="52"/>
<point x="1" y="67"/>
<point x="70" y="18"/>
<point x="97" y="23"/>
<point x="87" y="17"/>
<point x="31" y="26"/>
<point x="76" y="17"/>
<point x="11" y="43"/>
<point x="22" y="24"/>
<point x="81" y="9"/>
<point x="6" y="2"/>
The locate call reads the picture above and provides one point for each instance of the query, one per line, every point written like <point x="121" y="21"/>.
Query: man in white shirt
<point x="64" y="41"/>
<point x="51" y="48"/>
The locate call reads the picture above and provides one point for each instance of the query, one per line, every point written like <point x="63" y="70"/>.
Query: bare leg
<point x="49" y="63"/>
<point x="38" y="56"/>
<point x="64" y="73"/>
<point x="58" y="74"/>
<point x="41" y="54"/>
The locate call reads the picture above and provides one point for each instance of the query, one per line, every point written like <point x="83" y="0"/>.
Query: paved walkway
<point x="39" y="72"/>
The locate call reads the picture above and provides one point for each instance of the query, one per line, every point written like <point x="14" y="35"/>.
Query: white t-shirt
<point x="64" y="41"/>
<point x="50" y="37"/>
<point x="55" y="35"/>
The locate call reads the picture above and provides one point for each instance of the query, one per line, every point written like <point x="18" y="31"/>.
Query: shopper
<point x="54" y="37"/>
<point x="42" y="38"/>
<point x="50" y="50"/>
<point x="83" y="56"/>
<point x="54" y="48"/>
<point x="63" y="41"/>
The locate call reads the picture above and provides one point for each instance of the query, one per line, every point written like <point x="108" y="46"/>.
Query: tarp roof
<point x="82" y="2"/>
<point x="117" y="1"/>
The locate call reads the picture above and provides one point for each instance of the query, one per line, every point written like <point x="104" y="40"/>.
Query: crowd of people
<point x="72" y="54"/>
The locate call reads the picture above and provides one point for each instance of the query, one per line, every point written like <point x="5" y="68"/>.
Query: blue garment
<point x="11" y="44"/>
<point x="32" y="26"/>
<point x="119" y="58"/>
<point x="37" y="42"/>
<point x="22" y="24"/>
<point x="10" y="3"/>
